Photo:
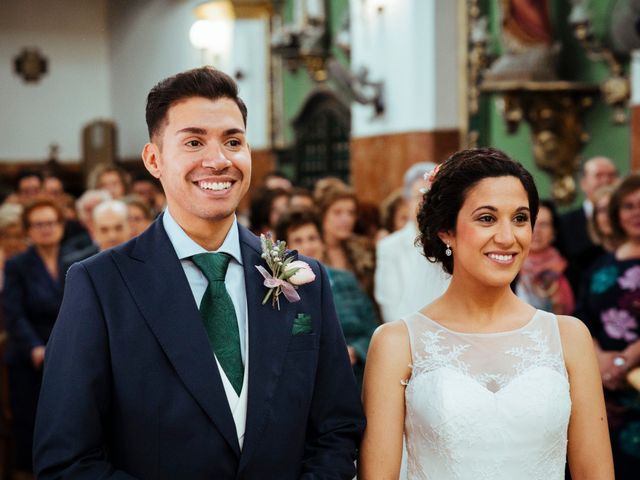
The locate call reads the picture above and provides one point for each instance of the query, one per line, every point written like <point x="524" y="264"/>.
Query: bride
<point x="482" y="385"/>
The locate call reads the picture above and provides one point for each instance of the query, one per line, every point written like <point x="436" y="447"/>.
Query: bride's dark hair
<point x="447" y="193"/>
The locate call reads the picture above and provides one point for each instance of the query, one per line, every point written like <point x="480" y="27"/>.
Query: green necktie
<point x="219" y="316"/>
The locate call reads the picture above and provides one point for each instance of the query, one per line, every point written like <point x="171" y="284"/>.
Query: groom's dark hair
<point x="206" y="82"/>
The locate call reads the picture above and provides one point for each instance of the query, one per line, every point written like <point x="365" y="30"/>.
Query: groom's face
<point x="202" y="159"/>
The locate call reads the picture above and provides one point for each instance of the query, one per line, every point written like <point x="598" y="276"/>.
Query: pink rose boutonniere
<point x="286" y="274"/>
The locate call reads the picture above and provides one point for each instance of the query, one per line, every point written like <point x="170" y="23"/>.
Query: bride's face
<point x="493" y="232"/>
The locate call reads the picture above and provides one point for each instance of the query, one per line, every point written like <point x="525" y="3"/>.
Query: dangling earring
<point x="447" y="252"/>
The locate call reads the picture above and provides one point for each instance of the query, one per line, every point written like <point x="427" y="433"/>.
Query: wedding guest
<point x="394" y="213"/>
<point x="84" y="207"/>
<point x="149" y="190"/>
<point x="28" y="186"/>
<point x="344" y="250"/>
<point x="541" y="282"/>
<point x="111" y="178"/>
<point x="599" y="225"/>
<point x="301" y="198"/>
<point x="404" y="281"/>
<point x="608" y="304"/>
<point x="31" y="299"/>
<point x="12" y="236"/>
<point x="109" y="228"/>
<point x="482" y="384"/>
<point x="368" y="221"/>
<point x="276" y="180"/>
<point x="267" y="204"/>
<point x="301" y="229"/>
<point x="53" y="186"/>
<point x="139" y="215"/>
<point x="577" y="246"/>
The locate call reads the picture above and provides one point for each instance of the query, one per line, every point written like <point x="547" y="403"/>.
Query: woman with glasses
<point x="31" y="299"/>
<point x="609" y="303"/>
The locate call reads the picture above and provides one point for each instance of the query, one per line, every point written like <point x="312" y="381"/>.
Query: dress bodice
<point x="486" y="406"/>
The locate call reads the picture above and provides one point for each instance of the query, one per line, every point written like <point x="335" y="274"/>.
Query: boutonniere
<point x="286" y="273"/>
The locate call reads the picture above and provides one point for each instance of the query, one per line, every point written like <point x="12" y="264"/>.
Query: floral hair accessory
<point x="286" y="273"/>
<point x="429" y="177"/>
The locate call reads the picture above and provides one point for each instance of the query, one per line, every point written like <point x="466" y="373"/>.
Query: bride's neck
<point x="479" y="301"/>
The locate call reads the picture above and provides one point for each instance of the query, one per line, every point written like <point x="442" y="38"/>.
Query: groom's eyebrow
<point x="203" y="131"/>
<point x="194" y="130"/>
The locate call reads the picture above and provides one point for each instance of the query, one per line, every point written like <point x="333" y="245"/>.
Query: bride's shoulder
<point x="390" y="341"/>
<point x="391" y="334"/>
<point x="575" y="336"/>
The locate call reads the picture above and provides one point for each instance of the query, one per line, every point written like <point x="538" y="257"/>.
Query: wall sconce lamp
<point x="307" y="42"/>
<point x="212" y="33"/>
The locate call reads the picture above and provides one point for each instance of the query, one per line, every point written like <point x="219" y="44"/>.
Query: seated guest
<point x="344" y="250"/>
<point x="599" y="225"/>
<point x="28" y="186"/>
<point x="576" y="245"/>
<point x="301" y="198"/>
<point x="111" y="178"/>
<point x="150" y="191"/>
<point x="139" y="215"/>
<point x="541" y="282"/>
<point x="405" y="281"/>
<point x="276" y="180"/>
<point x="31" y="299"/>
<point x="12" y="237"/>
<point x="85" y="206"/>
<point x="267" y="204"/>
<point x="300" y="228"/>
<point x="394" y="213"/>
<point x="609" y="304"/>
<point x="110" y="228"/>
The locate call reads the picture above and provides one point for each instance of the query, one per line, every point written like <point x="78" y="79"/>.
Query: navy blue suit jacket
<point x="131" y="388"/>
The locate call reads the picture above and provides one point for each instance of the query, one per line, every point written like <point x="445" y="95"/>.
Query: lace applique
<point x="538" y="354"/>
<point x="435" y="355"/>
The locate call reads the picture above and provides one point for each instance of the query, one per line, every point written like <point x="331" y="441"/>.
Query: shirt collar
<point x="186" y="248"/>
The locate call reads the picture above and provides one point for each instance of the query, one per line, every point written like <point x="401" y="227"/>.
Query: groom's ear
<point x="151" y="157"/>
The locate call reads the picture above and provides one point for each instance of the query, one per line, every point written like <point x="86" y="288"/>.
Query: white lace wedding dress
<point x="487" y="406"/>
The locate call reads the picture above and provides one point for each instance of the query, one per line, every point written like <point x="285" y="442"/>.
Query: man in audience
<point x="28" y="186"/>
<point x="404" y="281"/>
<point x="84" y="207"/>
<point x="575" y="242"/>
<point x="109" y="227"/>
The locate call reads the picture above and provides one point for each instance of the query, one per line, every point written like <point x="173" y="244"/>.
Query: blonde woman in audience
<point x="482" y="385"/>
<point x="111" y="178"/>
<point x="344" y="250"/>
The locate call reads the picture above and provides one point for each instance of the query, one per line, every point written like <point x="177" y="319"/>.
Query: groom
<point x="164" y="363"/>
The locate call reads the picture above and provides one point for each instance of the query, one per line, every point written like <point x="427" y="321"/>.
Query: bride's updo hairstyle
<point x="448" y="190"/>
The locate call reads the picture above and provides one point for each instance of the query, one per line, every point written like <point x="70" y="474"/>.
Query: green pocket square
<point x="302" y="324"/>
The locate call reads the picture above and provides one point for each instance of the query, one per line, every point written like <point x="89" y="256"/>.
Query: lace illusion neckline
<point x="483" y="334"/>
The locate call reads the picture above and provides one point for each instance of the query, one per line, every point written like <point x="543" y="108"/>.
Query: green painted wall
<point x="297" y="85"/>
<point x="606" y="138"/>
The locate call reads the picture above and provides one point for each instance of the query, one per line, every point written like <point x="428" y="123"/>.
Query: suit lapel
<point x="155" y="277"/>
<point x="269" y="336"/>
